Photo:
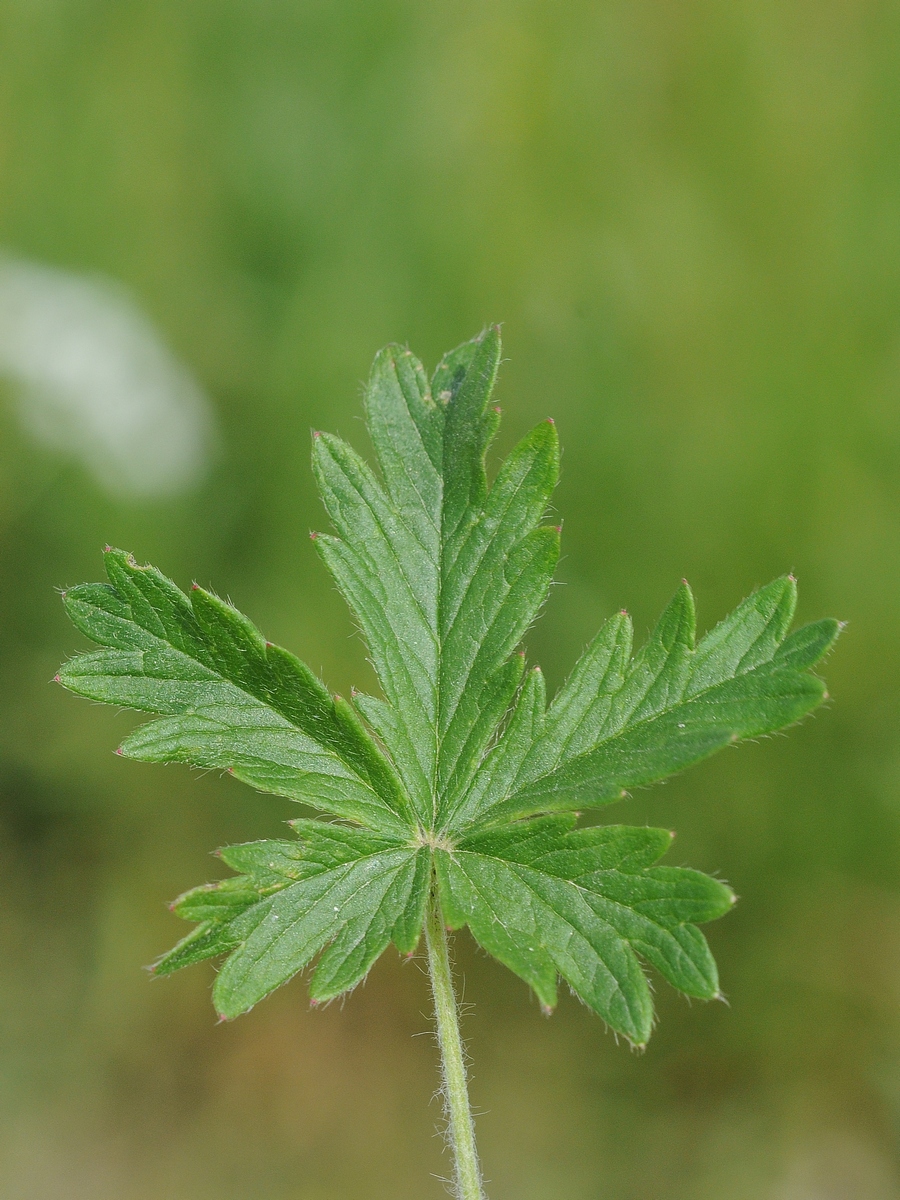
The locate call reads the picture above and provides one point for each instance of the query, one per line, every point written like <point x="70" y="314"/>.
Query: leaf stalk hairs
<point x="454" y="796"/>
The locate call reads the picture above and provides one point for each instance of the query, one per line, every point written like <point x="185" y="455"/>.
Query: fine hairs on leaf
<point x="453" y="798"/>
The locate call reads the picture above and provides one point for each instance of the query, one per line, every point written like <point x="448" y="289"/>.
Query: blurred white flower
<point x="94" y="380"/>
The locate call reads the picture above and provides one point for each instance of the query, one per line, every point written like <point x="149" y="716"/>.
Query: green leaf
<point x="443" y="573"/>
<point x="231" y="700"/>
<point x="458" y="782"/>
<point x="621" y="722"/>
<point x="348" y="889"/>
<point x="548" y="899"/>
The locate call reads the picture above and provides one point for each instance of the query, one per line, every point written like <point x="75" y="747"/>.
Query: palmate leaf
<point x="459" y="781"/>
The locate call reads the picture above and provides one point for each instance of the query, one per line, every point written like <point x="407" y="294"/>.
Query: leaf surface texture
<point x="459" y="781"/>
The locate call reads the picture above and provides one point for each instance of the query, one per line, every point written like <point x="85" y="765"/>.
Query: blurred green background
<point x="687" y="214"/>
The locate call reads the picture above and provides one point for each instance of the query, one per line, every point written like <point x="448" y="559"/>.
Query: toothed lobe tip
<point x="119" y="750"/>
<point x="792" y="577"/>
<point x="221" y="1019"/>
<point x="195" y="587"/>
<point x="107" y="549"/>
<point x="498" y="410"/>
<point x="313" y="535"/>
<point x="550" y="421"/>
<point x="56" y="679"/>
<point x="317" y="433"/>
<point x="546" y="1010"/>
<point x="623" y="612"/>
<point x="313" y="1003"/>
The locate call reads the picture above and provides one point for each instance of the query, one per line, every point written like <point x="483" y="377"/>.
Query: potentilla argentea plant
<point x="452" y="799"/>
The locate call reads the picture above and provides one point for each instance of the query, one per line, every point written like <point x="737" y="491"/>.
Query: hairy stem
<point x="461" y="1129"/>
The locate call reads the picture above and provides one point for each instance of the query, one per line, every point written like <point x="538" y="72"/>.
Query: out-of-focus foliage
<point x="688" y="215"/>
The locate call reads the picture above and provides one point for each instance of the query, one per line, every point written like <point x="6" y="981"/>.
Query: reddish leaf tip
<point x="547" y="1010"/>
<point x="497" y="409"/>
<point x="221" y="1018"/>
<point x="550" y="421"/>
<point x="107" y="549"/>
<point x="56" y="679"/>
<point x="195" y="587"/>
<point x="623" y="612"/>
<point x="313" y="535"/>
<point x="317" y="433"/>
<point x="313" y="1003"/>
<point x="792" y="577"/>
<point x="119" y="750"/>
<point x="558" y="528"/>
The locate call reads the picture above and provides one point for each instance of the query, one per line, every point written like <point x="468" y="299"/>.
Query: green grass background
<point x="687" y="214"/>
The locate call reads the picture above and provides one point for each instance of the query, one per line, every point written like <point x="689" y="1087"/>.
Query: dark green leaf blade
<point x="617" y="725"/>
<point x="336" y="889"/>
<point x="443" y="573"/>
<point x="467" y="779"/>
<point x="546" y="898"/>
<point x="228" y="699"/>
<point x="357" y="903"/>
